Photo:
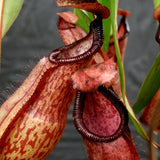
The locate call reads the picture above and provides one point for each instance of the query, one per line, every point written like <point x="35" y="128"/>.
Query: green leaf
<point x="107" y="33"/>
<point x="135" y="121"/>
<point x="113" y="15"/>
<point x="106" y="25"/>
<point x="149" y="86"/>
<point x="1" y="21"/>
<point x="132" y="116"/>
<point x="90" y="15"/>
<point x="10" y="12"/>
<point x="156" y="3"/>
<point x="120" y="63"/>
<point x="84" y="20"/>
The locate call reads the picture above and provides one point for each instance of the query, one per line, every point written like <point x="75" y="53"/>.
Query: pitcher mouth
<point x="83" y="48"/>
<point x="85" y="131"/>
<point x="89" y="45"/>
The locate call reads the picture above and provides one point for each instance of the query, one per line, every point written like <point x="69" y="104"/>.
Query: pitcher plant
<point x="89" y="68"/>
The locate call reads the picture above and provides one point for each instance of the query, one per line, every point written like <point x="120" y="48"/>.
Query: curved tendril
<point x="113" y="98"/>
<point x="97" y="30"/>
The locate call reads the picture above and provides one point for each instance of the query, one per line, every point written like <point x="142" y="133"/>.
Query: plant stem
<point x="114" y="8"/>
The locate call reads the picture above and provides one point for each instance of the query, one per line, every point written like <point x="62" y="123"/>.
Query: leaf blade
<point x="10" y="13"/>
<point x="107" y="25"/>
<point x="135" y="121"/>
<point x="83" y="20"/>
<point x="149" y="86"/>
<point x="132" y="116"/>
<point x="156" y="3"/>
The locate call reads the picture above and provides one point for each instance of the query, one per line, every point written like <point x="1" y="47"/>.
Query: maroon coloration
<point x="88" y="125"/>
<point x="120" y="149"/>
<point x="67" y="29"/>
<point x="126" y="27"/>
<point x="122" y="33"/>
<point x="97" y="31"/>
<point x="90" y="5"/>
<point x="156" y="13"/>
<point x="158" y="34"/>
<point x="90" y="78"/>
<point x="123" y="13"/>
